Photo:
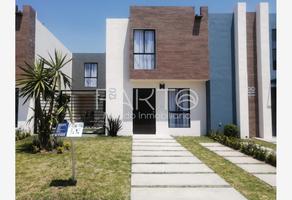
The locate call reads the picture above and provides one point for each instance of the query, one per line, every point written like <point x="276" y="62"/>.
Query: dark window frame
<point x="181" y="111"/>
<point x="274" y="48"/>
<point x="154" y="53"/>
<point x="91" y="77"/>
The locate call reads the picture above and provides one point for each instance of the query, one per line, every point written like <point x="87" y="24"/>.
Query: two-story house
<point x="173" y="71"/>
<point x="154" y="59"/>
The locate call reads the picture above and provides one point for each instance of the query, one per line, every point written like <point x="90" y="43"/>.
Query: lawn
<point x="250" y="186"/>
<point x="103" y="170"/>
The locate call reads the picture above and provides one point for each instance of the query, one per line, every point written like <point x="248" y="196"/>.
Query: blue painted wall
<point x="221" y="102"/>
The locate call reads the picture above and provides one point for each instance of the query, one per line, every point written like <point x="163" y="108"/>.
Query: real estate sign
<point x="62" y="129"/>
<point x="69" y="129"/>
<point x="75" y="129"/>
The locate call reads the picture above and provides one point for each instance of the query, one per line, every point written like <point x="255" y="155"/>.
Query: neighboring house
<point x="173" y="71"/>
<point x="243" y="67"/>
<point x="32" y="39"/>
<point x="87" y="71"/>
<point x="88" y="88"/>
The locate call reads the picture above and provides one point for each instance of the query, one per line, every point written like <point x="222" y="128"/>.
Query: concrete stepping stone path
<point x="162" y="169"/>
<point x="263" y="171"/>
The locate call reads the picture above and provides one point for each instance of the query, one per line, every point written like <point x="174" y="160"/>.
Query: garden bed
<point x="248" y="147"/>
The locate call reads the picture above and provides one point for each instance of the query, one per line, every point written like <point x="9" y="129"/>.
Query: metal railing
<point x="86" y="106"/>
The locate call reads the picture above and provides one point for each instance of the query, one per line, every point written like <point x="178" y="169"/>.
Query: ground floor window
<point x="179" y="108"/>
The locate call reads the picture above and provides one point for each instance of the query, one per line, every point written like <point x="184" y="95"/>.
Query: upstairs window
<point x="90" y="74"/>
<point x="144" y="49"/>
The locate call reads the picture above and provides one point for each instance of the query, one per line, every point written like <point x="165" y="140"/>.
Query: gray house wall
<point x="221" y="87"/>
<point x="78" y="70"/>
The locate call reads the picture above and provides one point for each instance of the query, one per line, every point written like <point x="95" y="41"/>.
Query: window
<point x="144" y="49"/>
<point x="179" y="108"/>
<point x="274" y="48"/>
<point x="90" y="74"/>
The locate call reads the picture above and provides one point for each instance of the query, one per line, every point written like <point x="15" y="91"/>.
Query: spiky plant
<point x="114" y="125"/>
<point x="40" y="81"/>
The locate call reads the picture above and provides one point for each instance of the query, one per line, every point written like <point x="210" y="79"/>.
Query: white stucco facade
<point x="241" y="69"/>
<point x="263" y="70"/>
<point x="45" y="44"/>
<point x="119" y="86"/>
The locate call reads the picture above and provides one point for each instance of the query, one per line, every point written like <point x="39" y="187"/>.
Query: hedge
<point x="248" y="148"/>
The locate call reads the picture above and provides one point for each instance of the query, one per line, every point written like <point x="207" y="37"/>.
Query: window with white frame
<point x="90" y="74"/>
<point x="179" y="108"/>
<point x="144" y="49"/>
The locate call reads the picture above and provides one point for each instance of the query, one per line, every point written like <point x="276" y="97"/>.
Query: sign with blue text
<point x="75" y="129"/>
<point x="62" y="129"/>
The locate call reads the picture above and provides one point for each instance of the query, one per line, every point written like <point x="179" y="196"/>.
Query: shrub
<point x="248" y="148"/>
<point x="54" y="143"/>
<point x="260" y="153"/>
<point x="67" y="145"/>
<point x="21" y="134"/>
<point x="271" y="159"/>
<point x="231" y="130"/>
<point x="233" y="143"/>
<point x="113" y="125"/>
<point x="60" y="149"/>
<point x="57" y="142"/>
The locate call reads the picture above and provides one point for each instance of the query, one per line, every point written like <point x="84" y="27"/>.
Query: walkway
<point x="164" y="170"/>
<point x="263" y="171"/>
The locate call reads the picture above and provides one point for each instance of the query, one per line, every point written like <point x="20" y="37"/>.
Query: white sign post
<point x="73" y="161"/>
<point x="71" y="130"/>
<point x="74" y="130"/>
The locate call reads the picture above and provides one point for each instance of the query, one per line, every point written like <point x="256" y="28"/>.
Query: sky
<point x="80" y="24"/>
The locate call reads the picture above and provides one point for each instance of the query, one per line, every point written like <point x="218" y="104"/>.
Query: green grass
<point x="264" y="143"/>
<point x="103" y="170"/>
<point x="250" y="186"/>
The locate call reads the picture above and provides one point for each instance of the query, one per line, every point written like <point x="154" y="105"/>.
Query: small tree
<point x="42" y="81"/>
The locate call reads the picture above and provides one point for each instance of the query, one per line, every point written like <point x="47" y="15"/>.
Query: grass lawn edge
<point x="247" y="184"/>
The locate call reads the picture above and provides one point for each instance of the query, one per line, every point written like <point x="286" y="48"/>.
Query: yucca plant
<point x="113" y="125"/>
<point x="57" y="79"/>
<point x="41" y="81"/>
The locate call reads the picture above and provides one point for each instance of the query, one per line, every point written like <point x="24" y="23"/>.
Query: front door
<point x="144" y="111"/>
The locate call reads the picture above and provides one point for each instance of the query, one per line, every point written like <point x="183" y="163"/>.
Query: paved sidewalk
<point x="263" y="171"/>
<point x="164" y="170"/>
